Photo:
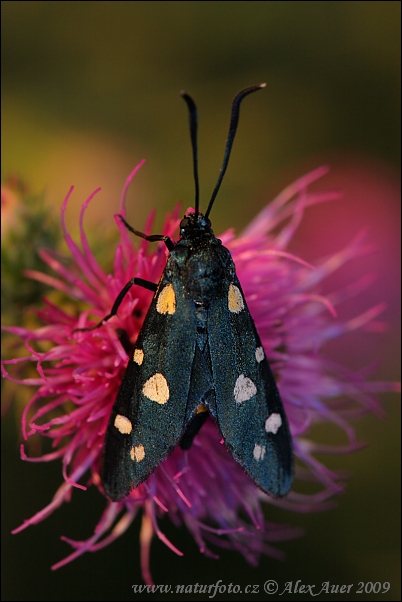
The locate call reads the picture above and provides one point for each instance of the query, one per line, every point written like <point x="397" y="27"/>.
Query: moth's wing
<point x="249" y="410"/>
<point x="150" y="412"/>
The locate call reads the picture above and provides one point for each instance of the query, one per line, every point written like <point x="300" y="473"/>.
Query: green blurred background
<point x="89" y="89"/>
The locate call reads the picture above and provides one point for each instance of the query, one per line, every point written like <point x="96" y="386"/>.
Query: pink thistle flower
<point x="79" y="375"/>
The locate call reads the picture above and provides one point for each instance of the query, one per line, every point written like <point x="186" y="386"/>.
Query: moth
<point x="198" y="353"/>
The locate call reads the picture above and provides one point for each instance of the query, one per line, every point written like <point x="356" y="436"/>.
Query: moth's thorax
<point x="203" y="274"/>
<point x="199" y="261"/>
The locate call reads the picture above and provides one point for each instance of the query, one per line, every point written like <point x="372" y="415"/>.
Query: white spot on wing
<point x="123" y="424"/>
<point x="156" y="388"/>
<point x="138" y="356"/>
<point x="259" y="452"/>
<point x="137" y="453"/>
<point x="244" y="389"/>
<point x="259" y="354"/>
<point x="273" y="423"/>
<point x="166" y="303"/>
<point x="235" y="299"/>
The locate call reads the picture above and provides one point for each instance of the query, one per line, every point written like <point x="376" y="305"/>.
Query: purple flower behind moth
<point x="203" y="487"/>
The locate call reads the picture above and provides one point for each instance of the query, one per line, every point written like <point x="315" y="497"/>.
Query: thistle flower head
<point x="79" y="373"/>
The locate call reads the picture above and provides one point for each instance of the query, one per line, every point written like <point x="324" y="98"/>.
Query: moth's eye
<point x="205" y="223"/>
<point x="184" y="223"/>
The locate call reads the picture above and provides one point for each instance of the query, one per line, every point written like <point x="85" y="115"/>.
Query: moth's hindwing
<point x="150" y="412"/>
<point x="249" y="409"/>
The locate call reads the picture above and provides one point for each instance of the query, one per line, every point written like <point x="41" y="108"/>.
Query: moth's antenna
<point x="234" y="120"/>
<point x="193" y="121"/>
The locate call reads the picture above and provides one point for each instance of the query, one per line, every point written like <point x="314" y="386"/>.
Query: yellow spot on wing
<point x="138" y="356"/>
<point x="259" y="452"/>
<point x="123" y="424"/>
<point x="244" y="389"/>
<point x="166" y="303"/>
<point x="273" y="423"/>
<point x="137" y="453"/>
<point x="156" y="388"/>
<point x="259" y="354"/>
<point x="235" y="299"/>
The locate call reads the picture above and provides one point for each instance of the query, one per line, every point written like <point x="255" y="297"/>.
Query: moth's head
<point x="195" y="225"/>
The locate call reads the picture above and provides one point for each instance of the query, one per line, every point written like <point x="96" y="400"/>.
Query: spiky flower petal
<point x="78" y="375"/>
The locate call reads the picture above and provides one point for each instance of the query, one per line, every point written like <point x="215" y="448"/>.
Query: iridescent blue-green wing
<point x="249" y="410"/>
<point x="150" y="412"/>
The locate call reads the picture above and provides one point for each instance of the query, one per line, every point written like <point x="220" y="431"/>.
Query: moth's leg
<point x="140" y="281"/>
<point x="194" y="426"/>
<point x="151" y="238"/>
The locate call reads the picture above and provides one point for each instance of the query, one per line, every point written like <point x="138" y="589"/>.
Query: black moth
<point x="198" y="353"/>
